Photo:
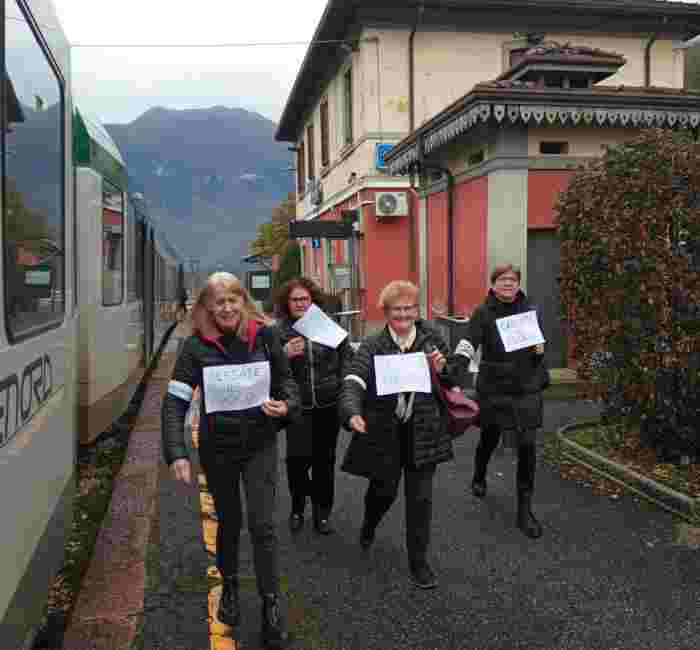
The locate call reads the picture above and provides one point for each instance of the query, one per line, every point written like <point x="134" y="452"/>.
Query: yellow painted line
<point x="220" y="635"/>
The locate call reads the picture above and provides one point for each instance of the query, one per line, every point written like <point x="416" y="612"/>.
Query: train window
<point x="33" y="178"/>
<point x="112" y="244"/>
<point x="131" y="254"/>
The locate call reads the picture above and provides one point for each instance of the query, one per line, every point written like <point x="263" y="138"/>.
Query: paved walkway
<point x="606" y="575"/>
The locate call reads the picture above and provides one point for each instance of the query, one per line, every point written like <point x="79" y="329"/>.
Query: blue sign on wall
<point x="380" y="152"/>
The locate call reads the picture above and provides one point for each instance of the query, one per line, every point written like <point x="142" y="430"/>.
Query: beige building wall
<point x="447" y="66"/>
<point x="666" y="62"/>
<point x="582" y="141"/>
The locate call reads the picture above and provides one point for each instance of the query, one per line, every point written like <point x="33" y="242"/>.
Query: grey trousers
<point x="418" y="492"/>
<point x="259" y="476"/>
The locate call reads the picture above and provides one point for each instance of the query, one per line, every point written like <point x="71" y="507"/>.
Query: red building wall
<point x="470" y="221"/>
<point x="471" y="211"/>
<point x="543" y="188"/>
<point x="384" y="253"/>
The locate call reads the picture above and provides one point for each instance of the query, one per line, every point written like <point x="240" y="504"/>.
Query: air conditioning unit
<point x="388" y="205"/>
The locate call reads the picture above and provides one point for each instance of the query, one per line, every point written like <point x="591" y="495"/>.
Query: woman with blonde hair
<point x="400" y="433"/>
<point x="235" y="359"/>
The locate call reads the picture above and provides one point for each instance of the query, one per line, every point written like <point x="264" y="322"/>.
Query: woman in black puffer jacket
<point x="397" y="434"/>
<point x="313" y="437"/>
<point x="509" y="386"/>
<point x="237" y="437"/>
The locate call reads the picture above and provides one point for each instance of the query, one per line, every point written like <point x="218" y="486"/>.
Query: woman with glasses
<point x="509" y="386"/>
<point x="313" y="437"/>
<point x="397" y="434"/>
<point x="234" y="357"/>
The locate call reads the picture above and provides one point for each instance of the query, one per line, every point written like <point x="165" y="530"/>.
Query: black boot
<point x="481" y="461"/>
<point x="229" y="612"/>
<point x="526" y="520"/>
<point x="274" y="635"/>
<point x="418" y="521"/>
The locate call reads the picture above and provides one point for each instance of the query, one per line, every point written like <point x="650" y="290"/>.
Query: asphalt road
<point x="606" y="574"/>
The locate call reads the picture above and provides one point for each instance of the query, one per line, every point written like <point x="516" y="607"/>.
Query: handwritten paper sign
<point x="318" y="327"/>
<point x="520" y="331"/>
<point x="402" y="373"/>
<point x="236" y="387"/>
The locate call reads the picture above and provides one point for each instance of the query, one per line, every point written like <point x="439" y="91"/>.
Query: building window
<point x="515" y="55"/>
<point x="347" y="107"/>
<point x="325" y="153"/>
<point x="33" y="183"/>
<point x="301" y="161"/>
<point x="556" y="148"/>
<point x="112" y="244"/>
<point x="475" y="158"/>
<point x="310" y="173"/>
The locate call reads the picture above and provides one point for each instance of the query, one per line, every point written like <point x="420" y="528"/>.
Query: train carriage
<point x="38" y="313"/>
<point x="88" y="290"/>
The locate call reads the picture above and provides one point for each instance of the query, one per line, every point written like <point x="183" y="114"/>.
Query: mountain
<point x="211" y="176"/>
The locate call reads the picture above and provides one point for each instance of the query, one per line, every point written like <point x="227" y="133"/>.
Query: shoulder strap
<point x="252" y="332"/>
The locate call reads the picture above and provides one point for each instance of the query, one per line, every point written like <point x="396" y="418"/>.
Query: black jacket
<point x="509" y="384"/>
<point x="244" y="432"/>
<point x="320" y="371"/>
<point x="377" y="453"/>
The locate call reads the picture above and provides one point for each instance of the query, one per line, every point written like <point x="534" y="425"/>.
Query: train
<point x="89" y="289"/>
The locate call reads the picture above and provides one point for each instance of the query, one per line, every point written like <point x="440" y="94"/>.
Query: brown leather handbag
<point x="461" y="411"/>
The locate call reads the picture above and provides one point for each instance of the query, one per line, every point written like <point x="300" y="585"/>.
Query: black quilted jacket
<point x="243" y="432"/>
<point x="377" y="453"/>
<point x="320" y="371"/>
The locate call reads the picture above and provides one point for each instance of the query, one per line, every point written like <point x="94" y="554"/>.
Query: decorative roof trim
<point x="536" y="114"/>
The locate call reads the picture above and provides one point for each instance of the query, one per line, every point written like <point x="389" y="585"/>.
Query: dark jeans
<point x="259" y="476"/>
<point x="323" y="426"/>
<point x="490" y="437"/>
<point x="418" y="492"/>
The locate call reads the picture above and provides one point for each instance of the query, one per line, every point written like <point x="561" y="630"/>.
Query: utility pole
<point x="194" y="269"/>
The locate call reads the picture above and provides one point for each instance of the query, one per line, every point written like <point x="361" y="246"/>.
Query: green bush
<point x="629" y="225"/>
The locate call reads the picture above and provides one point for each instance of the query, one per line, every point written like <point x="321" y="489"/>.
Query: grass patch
<point x="97" y="468"/>
<point x="621" y="444"/>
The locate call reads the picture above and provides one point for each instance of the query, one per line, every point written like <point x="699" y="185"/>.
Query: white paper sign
<point x="520" y="331"/>
<point x="236" y="387"/>
<point x="402" y="373"/>
<point x="318" y="327"/>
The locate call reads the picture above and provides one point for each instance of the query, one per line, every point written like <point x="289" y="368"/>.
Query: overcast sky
<point x="119" y="84"/>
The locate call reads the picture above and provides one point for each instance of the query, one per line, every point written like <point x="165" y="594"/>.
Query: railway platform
<point x="606" y="574"/>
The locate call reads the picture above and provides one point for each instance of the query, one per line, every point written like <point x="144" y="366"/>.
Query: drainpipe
<point x="412" y="244"/>
<point x="450" y="228"/>
<point x="647" y="60"/>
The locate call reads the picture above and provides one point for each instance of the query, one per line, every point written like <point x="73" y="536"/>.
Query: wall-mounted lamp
<point x="352" y="178"/>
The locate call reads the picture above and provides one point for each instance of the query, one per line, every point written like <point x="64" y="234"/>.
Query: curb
<point x="109" y="608"/>
<point x="664" y="497"/>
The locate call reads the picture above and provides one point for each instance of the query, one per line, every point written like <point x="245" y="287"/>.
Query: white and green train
<point x="88" y="288"/>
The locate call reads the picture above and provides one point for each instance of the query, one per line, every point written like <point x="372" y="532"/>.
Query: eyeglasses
<point x="304" y="299"/>
<point x="506" y="280"/>
<point x="403" y="310"/>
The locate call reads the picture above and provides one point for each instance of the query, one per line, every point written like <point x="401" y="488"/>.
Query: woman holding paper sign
<point x="509" y="385"/>
<point x="395" y="432"/>
<point x="237" y="362"/>
<point x="312" y="439"/>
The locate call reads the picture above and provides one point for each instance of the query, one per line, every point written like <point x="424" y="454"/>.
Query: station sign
<point x="320" y="230"/>
<point x="380" y="153"/>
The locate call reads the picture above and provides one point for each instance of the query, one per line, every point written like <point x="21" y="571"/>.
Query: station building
<point x="451" y="127"/>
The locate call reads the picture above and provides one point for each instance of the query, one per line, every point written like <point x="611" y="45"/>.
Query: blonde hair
<point x="395" y="290"/>
<point x="204" y="325"/>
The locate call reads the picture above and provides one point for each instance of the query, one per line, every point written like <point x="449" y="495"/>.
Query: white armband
<point x="465" y="348"/>
<point x="357" y="379"/>
<point x="180" y="390"/>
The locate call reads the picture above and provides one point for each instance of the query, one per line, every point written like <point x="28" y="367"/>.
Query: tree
<point x="273" y="236"/>
<point x="694" y="68"/>
<point x="629" y="225"/>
